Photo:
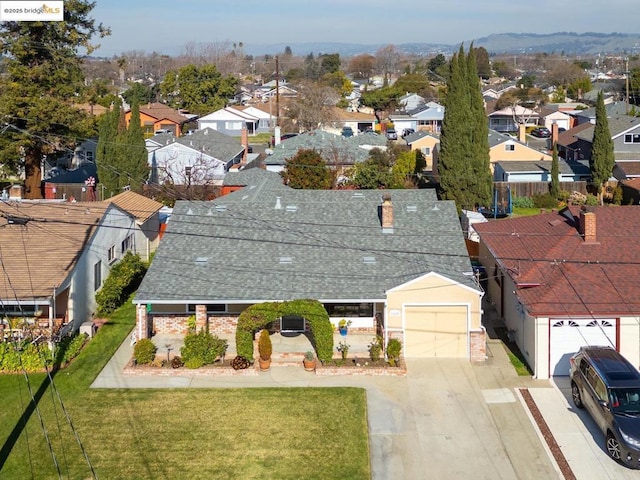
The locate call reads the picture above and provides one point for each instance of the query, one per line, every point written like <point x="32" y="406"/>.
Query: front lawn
<point x="177" y="433"/>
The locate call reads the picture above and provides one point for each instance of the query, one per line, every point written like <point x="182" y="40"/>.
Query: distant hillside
<point x="562" y="42"/>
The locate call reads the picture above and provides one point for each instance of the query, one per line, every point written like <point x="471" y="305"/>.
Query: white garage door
<point x="436" y="331"/>
<point x="567" y="336"/>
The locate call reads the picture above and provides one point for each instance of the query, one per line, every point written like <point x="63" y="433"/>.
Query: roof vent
<point x="278" y="204"/>
<point x="357" y="195"/>
<point x="189" y="212"/>
<point x="202" y="260"/>
<point x="209" y="213"/>
<point x="412" y="208"/>
<point x="286" y="260"/>
<point x="435" y="208"/>
<point x="292" y="208"/>
<point x="221" y="208"/>
<point x="368" y="260"/>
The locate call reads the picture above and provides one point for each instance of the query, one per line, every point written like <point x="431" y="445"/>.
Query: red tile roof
<point x="559" y="273"/>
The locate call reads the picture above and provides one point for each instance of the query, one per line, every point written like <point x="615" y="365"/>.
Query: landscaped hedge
<point x="202" y="348"/>
<point x="14" y="357"/>
<point x="123" y="280"/>
<point x="144" y="351"/>
<point x="262" y="314"/>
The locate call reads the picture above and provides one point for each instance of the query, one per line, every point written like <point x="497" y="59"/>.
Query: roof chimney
<point x="245" y="143"/>
<point x="387" y="214"/>
<point x="554" y="134"/>
<point x="522" y="133"/>
<point x="588" y="226"/>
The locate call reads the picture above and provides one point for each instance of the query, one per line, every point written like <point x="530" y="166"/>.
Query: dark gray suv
<point x="608" y="386"/>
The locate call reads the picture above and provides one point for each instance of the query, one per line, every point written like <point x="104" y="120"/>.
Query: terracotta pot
<point x="309" y="365"/>
<point x="265" y="365"/>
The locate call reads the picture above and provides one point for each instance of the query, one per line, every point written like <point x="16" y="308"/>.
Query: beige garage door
<point x="436" y="331"/>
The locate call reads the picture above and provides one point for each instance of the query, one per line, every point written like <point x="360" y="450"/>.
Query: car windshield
<point x="625" y="400"/>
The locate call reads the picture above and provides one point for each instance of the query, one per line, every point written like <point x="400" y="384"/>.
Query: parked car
<point x="541" y="132"/>
<point x="391" y="134"/>
<point x="407" y="131"/>
<point x="347" y="132"/>
<point x="608" y="386"/>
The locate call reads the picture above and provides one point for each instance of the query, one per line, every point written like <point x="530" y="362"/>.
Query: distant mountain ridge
<point x="569" y="43"/>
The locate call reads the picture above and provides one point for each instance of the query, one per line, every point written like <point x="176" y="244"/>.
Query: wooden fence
<point x="528" y="189"/>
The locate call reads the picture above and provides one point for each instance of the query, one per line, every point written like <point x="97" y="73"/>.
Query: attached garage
<point x="567" y="336"/>
<point x="436" y="331"/>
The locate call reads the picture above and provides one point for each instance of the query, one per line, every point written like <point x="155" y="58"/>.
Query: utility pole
<point x="626" y="76"/>
<point x="277" y="92"/>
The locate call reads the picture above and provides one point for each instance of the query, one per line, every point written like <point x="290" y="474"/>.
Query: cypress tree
<point x="135" y="160"/>
<point x="463" y="165"/>
<point x="106" y="150"/>
<point x="602" y="158"/>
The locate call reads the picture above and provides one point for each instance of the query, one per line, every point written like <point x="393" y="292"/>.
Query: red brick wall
<point x="478" y="347"/>
<point x="177" y="324"/>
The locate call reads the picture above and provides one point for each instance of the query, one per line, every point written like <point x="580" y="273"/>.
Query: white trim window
<point x="509" y="147"/>
<point x="632" y="138"/>
<point x="111" y="254"/>
<point x="426" y="151"/>
<point x="127" y="244"/>
<point x="97" y="275"/>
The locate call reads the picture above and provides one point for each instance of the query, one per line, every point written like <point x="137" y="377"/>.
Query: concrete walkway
<point x="446" y="419"/>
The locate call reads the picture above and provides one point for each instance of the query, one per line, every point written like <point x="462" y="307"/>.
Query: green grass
<point x="524" y="212"/>
<point x="522" y="369"/>
<point x="178" y="433"/>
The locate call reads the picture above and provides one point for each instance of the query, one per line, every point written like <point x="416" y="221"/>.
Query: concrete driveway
<point x="577" y="435"/>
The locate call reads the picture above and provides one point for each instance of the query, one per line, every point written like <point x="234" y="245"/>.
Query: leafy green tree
<point x="463" y="166"/>
<point x="436" y="62"/>
<point x="579" y="87"/>
<point x="339" y="82"/>
<point x="375" y="172"/>
<point x="403" y="171"/>
<point x="554" y="187"/>
<point x="414" y="83"/>
<point x="329" y="63"/>
<point x="482" y="62"/>
<point x="199" y="90"/>
<point x="307" y="171"/>
<point x="138" y="93"/>
<point x="381" y="100"/>
<point x="40" y="87"/>
<point x="602" y="158"/>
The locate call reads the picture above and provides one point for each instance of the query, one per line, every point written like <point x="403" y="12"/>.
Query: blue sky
<point x="165" y="26"/>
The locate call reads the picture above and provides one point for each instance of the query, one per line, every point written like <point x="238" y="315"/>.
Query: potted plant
<point x="343" y="348"/>
<point x="309" y="361"/>
<point x="343" y="326"/>
<point x="264" y="350"/>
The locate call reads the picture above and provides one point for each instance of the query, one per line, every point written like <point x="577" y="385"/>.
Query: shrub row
<point x="30" y="357"/>
<point x="123" y="280"/>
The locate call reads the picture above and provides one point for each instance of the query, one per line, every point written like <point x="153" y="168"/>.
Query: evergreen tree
<point x="135" y="162"/>
<point x="554" y="188"/>
<point x="602" y="159"/>
<point x="106" y="150"/>
<point x="308" y="171"/>
<point x="463" y="166"/>
<point x="39" y="90"/>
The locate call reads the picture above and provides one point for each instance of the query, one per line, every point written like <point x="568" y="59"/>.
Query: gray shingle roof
<point x="269" y="242"/>
<point x="348" y="149"/>
<point x="211" y="142"/>
<point x="565" y="168"/>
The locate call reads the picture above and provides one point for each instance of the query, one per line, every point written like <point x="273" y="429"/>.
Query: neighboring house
<point x="568" y="144"/>
<point x="79" y="184"/>
<point x="146" y="214"/>
<point x="201" y="158"/>
<point x="410" y="101"/>
<point x="496" y="91"/>
<point x="56" y="256"/>
<point x="505" y="148"/>
<point x="427" y="143"/>
<point x="359" y="122"/>
<point x="158" y="116"/>
<point x="231" y="121"/>
<point x="427" y="117"/>
<point x="339" y="152"/>
<point x="625" y="133"/>
<point x="509" y="118"/>
<point x="566" y="279"/>
<point x="84" y="152"/>
<point x="540" y="171"/>
<point x="548" y="117"/>
<point x="281" y="91"/>
<point x="354" y="251"/>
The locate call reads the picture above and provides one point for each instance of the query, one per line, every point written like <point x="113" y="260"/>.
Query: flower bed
<point x="221" y="368"/>
<point x="360" y="366"/>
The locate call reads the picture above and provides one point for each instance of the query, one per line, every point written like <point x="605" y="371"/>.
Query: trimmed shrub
<point x="264" y="345"/>
<point x="144" y="351"/>
<point x="124" y="279"/>
<point x="202" y="348"/>
<point x="393" y="351"/>
<point x="544" y="200"/>
<point x="24" y="356"/>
